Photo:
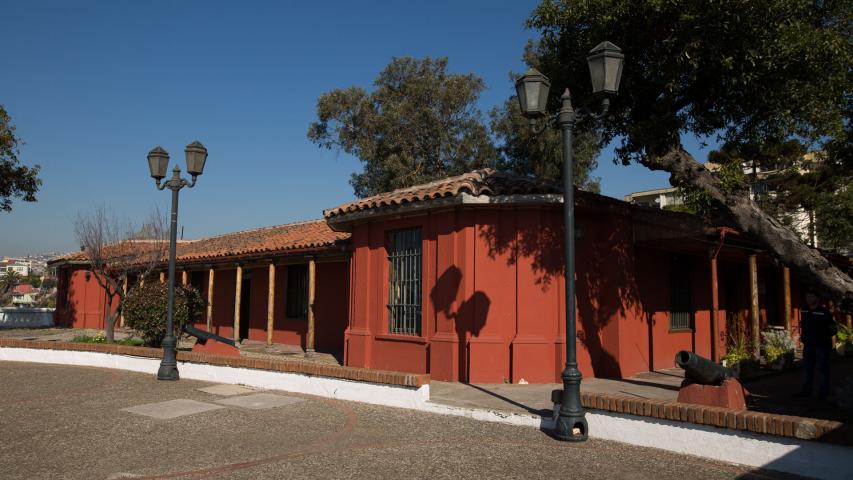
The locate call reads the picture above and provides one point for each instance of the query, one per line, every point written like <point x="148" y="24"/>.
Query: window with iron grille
<point x="679" y="311"/>
<point x="404" y="281"/>
<point x="296" y="301"/>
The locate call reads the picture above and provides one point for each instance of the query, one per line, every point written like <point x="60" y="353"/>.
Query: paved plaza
<point x="89" y="423"/>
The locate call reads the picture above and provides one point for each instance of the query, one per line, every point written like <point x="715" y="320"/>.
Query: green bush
<point x="145" y="310"/>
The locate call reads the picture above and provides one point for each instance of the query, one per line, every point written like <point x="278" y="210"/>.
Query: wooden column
<point x="238" y="290"/>
<point x="309" y="340"/>
<point x="715" y="309"/>
<point x="162" y="277"/>
<point x="123" y="289"/>
<point x="753" y="309"/>
<point x="786" y="288"/>
<point x="210" y="278"/>
<point x="184" y="278"/>
<point x="271" y="304"/>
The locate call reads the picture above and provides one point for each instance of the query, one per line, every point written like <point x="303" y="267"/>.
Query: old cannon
<point x="219" y="346"/>
<point x="707" y="383"/>
<point x="701" y="370"/>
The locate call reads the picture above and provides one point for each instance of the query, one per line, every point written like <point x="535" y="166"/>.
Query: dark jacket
<point x="817" y="328"/>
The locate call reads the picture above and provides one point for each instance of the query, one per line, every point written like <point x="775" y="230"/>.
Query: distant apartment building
<point x="18" y="265"/>
<point x="660" y="198"/>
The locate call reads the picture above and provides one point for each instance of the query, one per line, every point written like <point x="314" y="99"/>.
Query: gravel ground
<point x="66" y="422"/>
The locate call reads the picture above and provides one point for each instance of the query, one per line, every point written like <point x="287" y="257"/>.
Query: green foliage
<point x="145" y="309"/>
<point x="542" y="155"/>
<point x="683" y="208"/>
<point x="797" y="182"/>
<point x="8" y="280"/>
<point x="33" y="280"/>
<point x="418" y="124"/>
<point x="102" y="338"/>
<point x="844" y="334"/>
<point x="746" y="71"/>
<point x="46" y="301"/>
<point x="776" y="344"/>
<point x="16" y="180"/>
<point x="737" y="350"/>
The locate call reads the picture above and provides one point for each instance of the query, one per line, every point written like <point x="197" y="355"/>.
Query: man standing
<point x="816" y="330"/>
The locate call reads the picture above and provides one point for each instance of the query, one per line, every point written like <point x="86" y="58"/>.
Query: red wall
<point x="493" y="297"/>
<point x="81" y="302"/>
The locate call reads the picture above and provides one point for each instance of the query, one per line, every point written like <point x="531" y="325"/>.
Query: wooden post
<point x="715" y="309"/>
<point x="753" y="311"/>
<point x="210" y="276"/>
<point x="184" y="278"/>
<point x="123" y="289"/>
<point x="162" y="277"/>
<point x="238" y="290"/>
<point x="309" y="340"/>
<point x="786" y="287"/>
<point x="271" y="304"/>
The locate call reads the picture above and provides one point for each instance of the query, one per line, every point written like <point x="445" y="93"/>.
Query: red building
<point x="463" y="279"/>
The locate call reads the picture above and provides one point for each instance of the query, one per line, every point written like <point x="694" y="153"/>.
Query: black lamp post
<point x="605" y="68"/>
<point x="158" y="162"/>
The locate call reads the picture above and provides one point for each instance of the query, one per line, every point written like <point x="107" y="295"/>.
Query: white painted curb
<point x="801" y="457"/>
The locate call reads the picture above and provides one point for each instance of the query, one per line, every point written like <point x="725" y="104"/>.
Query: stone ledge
<point x="401" y="379"/>
<point x="745" y="420"/>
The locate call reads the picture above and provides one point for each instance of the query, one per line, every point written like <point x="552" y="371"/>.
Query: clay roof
<point x="308" y="235"/>
<point x="479" y="182"/>
<point x="23" y="289"/>
<point x="278" y="239"/>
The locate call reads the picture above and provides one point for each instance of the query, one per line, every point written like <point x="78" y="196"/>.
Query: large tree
<point x="115" y="250"/>
<point x="807" y="191"/>
<point x="521" y="151"/>
<point x="418" y="124"/>
<point x="742" y="71"/>
<point x="16" y="180"/>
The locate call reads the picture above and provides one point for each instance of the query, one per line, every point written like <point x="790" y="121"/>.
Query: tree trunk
<point x="109" y="326"/>
<point x="811" y="266"/>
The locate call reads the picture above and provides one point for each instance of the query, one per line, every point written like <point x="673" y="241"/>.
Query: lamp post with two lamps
<point x="605" y="68"/>
<point x="158" y="162"/>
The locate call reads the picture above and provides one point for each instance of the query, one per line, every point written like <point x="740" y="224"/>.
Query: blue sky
<point x="92" y="86"/>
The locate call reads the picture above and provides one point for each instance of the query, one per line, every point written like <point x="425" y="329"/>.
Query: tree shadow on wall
<point x="469" y="317"/>
<point x="605" y="275"/>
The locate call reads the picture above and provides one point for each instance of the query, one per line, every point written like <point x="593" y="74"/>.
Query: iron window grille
<point x="297" y="292"/>
<point x="404" y="281"/>
<point x="680" y="310"/>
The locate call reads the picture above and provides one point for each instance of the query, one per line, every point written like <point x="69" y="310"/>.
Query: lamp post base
<point x="169" y="365"/>
<point x="571" y="428"/>
<point x="571" y="419"/>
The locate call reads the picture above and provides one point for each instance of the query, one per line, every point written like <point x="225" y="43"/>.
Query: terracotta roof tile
<point x="313" y="234"/>
<point x="479" y="182"/>
<point x="280" y="238"/>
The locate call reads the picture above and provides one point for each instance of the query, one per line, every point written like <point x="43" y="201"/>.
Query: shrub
<point x="777" y="343"/>
<point x="145" y="310"/>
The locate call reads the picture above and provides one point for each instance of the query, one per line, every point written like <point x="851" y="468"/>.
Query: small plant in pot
<point x="778" y="347"/>
<point x="844" y="340"/>
<point x="737" y="357"/>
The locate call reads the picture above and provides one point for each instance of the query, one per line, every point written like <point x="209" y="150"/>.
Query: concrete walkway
<point x="536" y="399"/>
<point x="771" y="392"/>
